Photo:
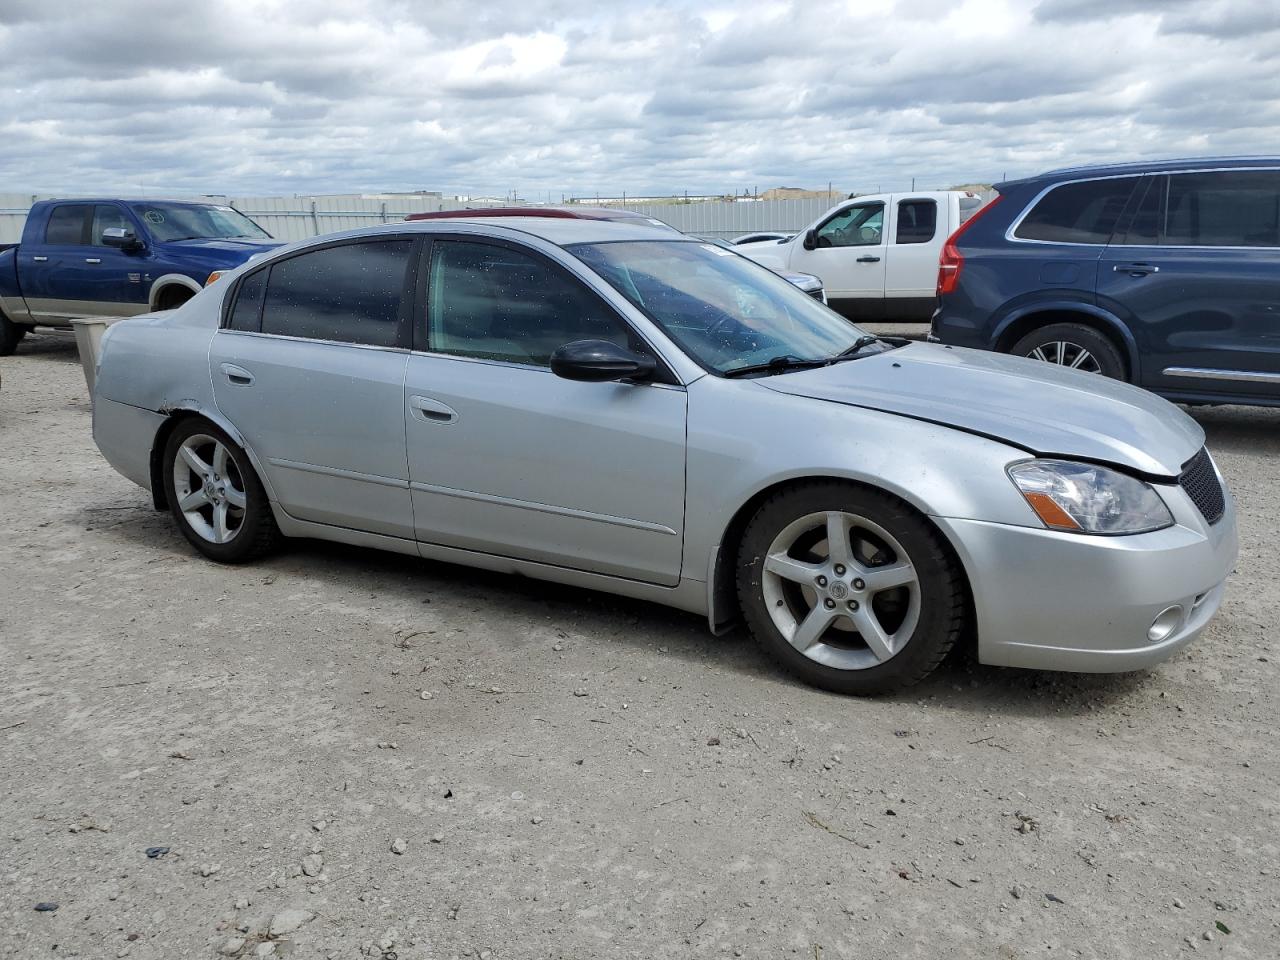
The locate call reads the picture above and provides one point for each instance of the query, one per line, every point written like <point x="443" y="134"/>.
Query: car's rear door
<point x="49" y="270"/>
<point x="1196" y="271"/>
<point x="911" y="259"/>
<point x="309" y="365"/>
<point x="505" y="457"/>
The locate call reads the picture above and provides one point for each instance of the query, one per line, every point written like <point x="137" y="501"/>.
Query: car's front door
<point x="1196" y="271"/>
<point x="309" y="365"/>
<point x="108" y="278"/>
<point x="850" y="257"/>
<point x="507" y="458"/>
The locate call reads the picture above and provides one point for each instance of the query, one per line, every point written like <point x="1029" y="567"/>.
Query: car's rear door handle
<point x="432" y="410"/>
<point x="1136" y="269"/>
<point x="237" y="375"/>
<point x="868" y="259"/>
<point x="39" y="259"/>
<point x="92" y="259"/>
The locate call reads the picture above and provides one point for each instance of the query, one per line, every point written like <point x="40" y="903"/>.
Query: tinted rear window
<point x="1233" y="208"/>
<point x="66" y="224"/>
<point x="1084" y="212"/>
<point x="350" y="293"/>
<point x="917" y="221"/>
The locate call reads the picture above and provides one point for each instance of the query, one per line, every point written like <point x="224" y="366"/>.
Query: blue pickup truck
<point x="116" y="258"/>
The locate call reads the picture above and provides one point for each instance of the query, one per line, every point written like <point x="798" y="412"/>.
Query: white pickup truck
<point x="877" y="255"/>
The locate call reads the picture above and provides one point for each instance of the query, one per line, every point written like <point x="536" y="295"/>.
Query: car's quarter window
<point x="917" y="221"/>
<point x="246" y="311"/>
<point x="857" y="226"/>
<point x="66" y="224"/>
<point x="1083" y="212"/>
<point x="105" y="217"/>
<point x="493" y="302"/>
<point x="1228" y="208"/>
<point x="350" y="292"/>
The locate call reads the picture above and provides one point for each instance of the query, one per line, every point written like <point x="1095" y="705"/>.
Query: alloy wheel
<point x="1064" y="353"/>
<point x="841" y="590"/>
<point x="210" y="488"/>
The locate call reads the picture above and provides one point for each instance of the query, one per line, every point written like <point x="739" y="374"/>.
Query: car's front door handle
<point x="92" y="259"/>
<point x="1136" y="269"/>
<point x="868" y="259"/>
<point x="432" y="410"/>
<point x="39" y="259"/>
<point x="237" y="375"/>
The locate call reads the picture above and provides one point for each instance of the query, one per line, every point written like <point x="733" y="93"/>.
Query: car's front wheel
<point x="849" y="588"/>
<point x="215" y="495"/>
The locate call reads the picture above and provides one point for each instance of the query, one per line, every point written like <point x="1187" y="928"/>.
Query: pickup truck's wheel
<point x="848" y="588"/>
<point x="11" y="335"/>
<point x="1073" y="345"/>
<point x="215" y="495"/>
<point x="172" y="297"/>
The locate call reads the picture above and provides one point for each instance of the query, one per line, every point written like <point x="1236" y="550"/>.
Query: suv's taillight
<point x="952" y="260"/>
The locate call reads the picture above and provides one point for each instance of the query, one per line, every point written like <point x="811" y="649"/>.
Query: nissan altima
<point x="602" y="404"/>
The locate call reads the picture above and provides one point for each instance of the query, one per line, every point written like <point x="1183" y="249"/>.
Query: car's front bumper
<point x="1060" y="601"/>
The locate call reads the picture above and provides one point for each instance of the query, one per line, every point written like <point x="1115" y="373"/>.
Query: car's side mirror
<point x="598" y="361"/>
<point x="811" y="239"/>
<point x="120" y="237"/>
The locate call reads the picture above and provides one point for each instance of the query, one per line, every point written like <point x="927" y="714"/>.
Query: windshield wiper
<point x="865" y="341"/>
<point x="775" y="365"/>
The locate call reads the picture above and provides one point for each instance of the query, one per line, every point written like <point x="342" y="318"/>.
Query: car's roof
<point x="189" y="202"/>
<point x="558" y="230"/>
<point x="1146" y="166"/>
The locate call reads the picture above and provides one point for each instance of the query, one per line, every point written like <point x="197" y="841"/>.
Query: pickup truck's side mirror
<point x="121" y="237"/>
<point x="811" y="239"/>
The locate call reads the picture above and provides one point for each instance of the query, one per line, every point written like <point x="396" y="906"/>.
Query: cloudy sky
<point x="548" y="97"/>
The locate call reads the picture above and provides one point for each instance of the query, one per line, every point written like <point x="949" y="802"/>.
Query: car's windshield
<point x="721" y="308"/>
<point x="189" y="221"/>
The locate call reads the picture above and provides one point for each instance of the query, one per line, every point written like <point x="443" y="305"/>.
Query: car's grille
<point x="1200" y="481"/>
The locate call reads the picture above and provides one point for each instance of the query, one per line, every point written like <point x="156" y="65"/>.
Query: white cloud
<point x="667" y="96"/>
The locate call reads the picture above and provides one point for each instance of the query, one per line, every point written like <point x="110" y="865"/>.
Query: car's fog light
<point x="1164" y="624"/>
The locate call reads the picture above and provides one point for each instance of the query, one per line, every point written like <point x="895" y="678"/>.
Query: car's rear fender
<point x="185" y="409"/>
<point x="1025" y="317"/>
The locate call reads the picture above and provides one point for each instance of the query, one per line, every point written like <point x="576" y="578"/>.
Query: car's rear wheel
<point x="1073" y="345"/>
<point x="849" y="588"/>
<point x="215" y="495"/>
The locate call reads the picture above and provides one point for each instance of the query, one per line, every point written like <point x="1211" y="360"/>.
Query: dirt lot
<point x="566" y="774"/>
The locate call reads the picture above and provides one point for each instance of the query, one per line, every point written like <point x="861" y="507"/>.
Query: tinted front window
<point x="917" y="221"/>
<point x="1084" y="212"/>
<point x="854" y="227"/>
<point x="106" y="216"/>
<point x="1237" y="208"/>
<point x="351" y="293"/>
<point x="724" y="310"/>
<point x="66" y="224"/>
<point x="246" y="313"/>
<point x="170" y="222"/>
<point x="495" y="303"/>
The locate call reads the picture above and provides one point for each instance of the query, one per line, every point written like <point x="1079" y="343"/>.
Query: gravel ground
<point x="348" y="753"/>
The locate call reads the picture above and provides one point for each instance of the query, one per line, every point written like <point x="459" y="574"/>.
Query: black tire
<point x="256" y="533"/>
<point x="11" y="335"/>
<point x="1076" y="336"/>
<point x="941" y="598"/>
<point x="173" y="297"/>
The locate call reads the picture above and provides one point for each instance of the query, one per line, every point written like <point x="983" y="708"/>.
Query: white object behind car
<point x="877" y="256"/>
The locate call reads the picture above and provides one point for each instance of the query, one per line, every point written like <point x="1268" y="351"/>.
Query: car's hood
<point x="1042" y="408"/>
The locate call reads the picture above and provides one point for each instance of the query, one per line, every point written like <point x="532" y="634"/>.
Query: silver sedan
<point x="606" y="405"/>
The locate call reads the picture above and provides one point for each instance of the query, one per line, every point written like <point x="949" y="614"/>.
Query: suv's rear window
<point x="1084" y="212"/>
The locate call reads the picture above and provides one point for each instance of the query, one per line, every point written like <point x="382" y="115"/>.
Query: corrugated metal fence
<point x="296" y="218"/>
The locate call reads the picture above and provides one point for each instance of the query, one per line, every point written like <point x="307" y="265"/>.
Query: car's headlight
<point x="1085" y="498"/>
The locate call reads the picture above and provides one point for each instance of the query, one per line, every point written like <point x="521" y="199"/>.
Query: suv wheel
<point x="1073" y="345"/>
<point x="848" y="588"/>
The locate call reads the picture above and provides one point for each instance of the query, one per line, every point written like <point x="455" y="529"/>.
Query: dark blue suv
<point x="1165" y="274"/>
